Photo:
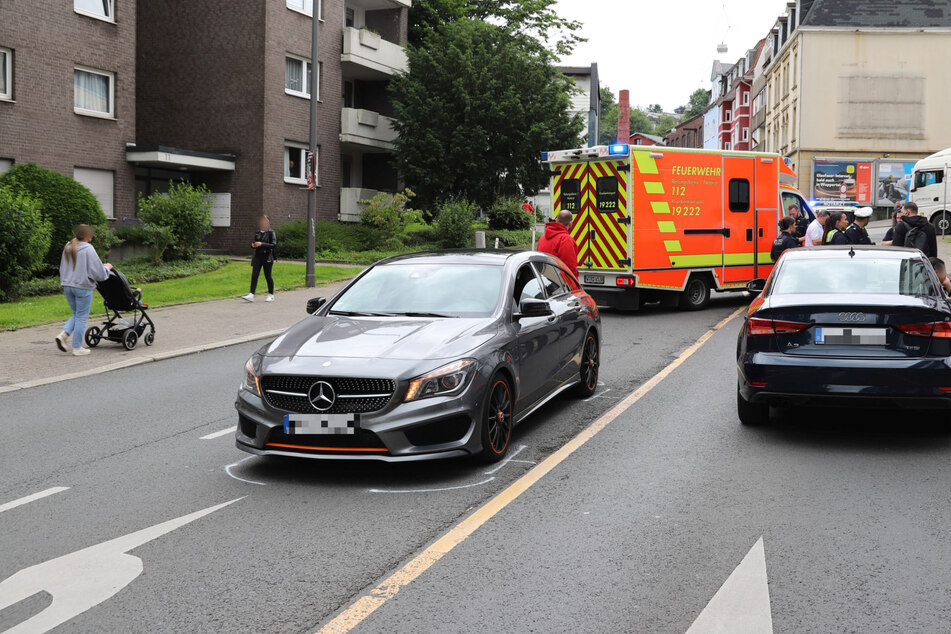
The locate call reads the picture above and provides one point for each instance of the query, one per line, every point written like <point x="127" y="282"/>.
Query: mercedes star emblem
<point x="322" y="396"/>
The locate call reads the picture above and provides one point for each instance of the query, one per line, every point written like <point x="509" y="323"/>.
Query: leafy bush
<point x="330" y="237"/>
<point x="388" y="215"/>
<point x="62" y="201"/>
<point x="37" y="286"/>
<point x="103" y="239"/>
<point x="454" y="224"/>
<point x="509" y="238"/>
<point x="24" y="240"/>
<point x="420" y="235"/>
<point x="507" y="214"/>
<point x="185" y="211"/>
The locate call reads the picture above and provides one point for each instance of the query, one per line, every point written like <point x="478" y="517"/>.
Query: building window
<point x="100" y="183"/>
<point x="307" y="7"/>
<point x="726" y="146"/>
<point x="746" y="98"/>
<point x="297" y="76"/>
<point x="5" y="164"/>
<point x="746" y="134"/>
<point x="102" y="9"/>
<point x="295" y="162"/>
<point x="351" y="17"/>
<point x="728" y="116"/>
<point x="93" y="92"/>
<point x="6" y="73"/>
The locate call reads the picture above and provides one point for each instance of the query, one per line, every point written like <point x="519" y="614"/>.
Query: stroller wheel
<point x="92" y="337"/>
<point x="149" y="338"/>
<point x="129" y="339"/>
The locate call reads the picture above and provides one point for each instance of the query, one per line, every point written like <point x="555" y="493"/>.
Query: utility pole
<point x="312" y="159"/>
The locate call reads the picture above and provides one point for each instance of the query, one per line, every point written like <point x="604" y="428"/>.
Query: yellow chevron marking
<point x="660" y="207"/>
<point x="666" y="226"/>
<point x="653" y="188"/>
<point x="645" y="164"/>
<point x="672" y="246"/>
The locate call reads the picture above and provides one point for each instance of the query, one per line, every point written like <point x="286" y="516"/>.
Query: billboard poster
<point x="894" y="181"/>
<point x="842" y="181"/>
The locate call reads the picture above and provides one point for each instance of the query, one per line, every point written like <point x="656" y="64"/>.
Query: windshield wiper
<point x="353" y="313"/>
<point x="416" y="314"/>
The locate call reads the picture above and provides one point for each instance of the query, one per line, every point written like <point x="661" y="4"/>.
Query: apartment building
<point x="730" y="110"/>
<point x="687" y="134"/>
<point x="224" y="100"/>
<point x="853" y="97"/>
<point x="68" y="92"/>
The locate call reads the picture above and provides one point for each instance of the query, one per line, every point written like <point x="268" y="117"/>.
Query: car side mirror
<point x="534" y="308"/>
<point x="756" y="286"/>
<point x="313" y="305"/>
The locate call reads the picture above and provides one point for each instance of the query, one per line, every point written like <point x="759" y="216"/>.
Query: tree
<point x="699" y="99"/>
<point x="654" y="108"/>
<point x="476" y="108"/>
<point x="665" y="123"/>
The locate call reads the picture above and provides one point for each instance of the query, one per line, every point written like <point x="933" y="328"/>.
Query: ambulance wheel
<point x="92" y="336"/>
<point x="149" y="338"/>
<point x="751" y="413"/>
<point x="129" y="339"/>
<point x="696" y="295"/>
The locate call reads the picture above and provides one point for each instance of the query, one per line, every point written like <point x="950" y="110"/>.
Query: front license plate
<point x="594" y="279"/>
<point x="321" y="424"/>
<point x="851" y="336"/>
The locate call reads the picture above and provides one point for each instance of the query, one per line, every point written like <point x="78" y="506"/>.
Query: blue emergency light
<point x="544" y="156"/>
<point x="618" y="149"/>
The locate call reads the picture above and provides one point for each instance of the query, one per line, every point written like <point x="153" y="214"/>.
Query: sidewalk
<point x="29" y="356"/>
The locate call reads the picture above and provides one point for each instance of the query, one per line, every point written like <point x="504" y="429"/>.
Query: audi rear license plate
<point x="851" y="336"/>
<point x="594" y="279"/>
<point x="323" y="424"/>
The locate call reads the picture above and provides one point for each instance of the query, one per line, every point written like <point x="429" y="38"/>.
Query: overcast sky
<point x="663" y="50"/>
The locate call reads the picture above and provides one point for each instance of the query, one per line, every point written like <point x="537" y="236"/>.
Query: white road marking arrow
<point x="741" y="604"/>
<point x="85" y="578"/>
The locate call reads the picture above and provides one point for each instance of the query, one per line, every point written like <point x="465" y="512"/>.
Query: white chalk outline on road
<point x="355" y="613"/>
<point x="742" y="602"/>
<point x="32" y="498"/>
<point x="461" y="486"/>
<point x="506" y="461"/>
<point x="219" y="434"/>
<point x="235" y="464"/>
<point x="85" y="578"/>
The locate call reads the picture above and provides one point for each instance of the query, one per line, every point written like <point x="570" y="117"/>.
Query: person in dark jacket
<point x="835" y="228"/>
<point x="890" y="234"/>
<point x="802" y="223"/>
<point x="265" y="249"/>
<point x="857" y="232"/>
<point x="910" y="220"/>
<point x="787" y="238"/>
<point x="557" y="241"/>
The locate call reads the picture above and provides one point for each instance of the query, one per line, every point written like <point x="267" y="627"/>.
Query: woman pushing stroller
<point x="265" y="252"/>
<point x="79" y="270"/>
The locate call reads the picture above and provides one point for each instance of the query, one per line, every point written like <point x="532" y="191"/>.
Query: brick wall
<point x="48" y="39"/>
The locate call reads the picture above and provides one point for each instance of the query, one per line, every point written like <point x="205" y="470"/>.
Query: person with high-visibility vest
<point x="557" y="241"/>
<point x="835" y="228"/>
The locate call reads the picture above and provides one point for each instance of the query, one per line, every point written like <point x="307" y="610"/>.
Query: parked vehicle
<point x="670" y="224"/>
<point x="423" y="356"/>
<point x="929" y="190"/>
<point x="853" y="326"/>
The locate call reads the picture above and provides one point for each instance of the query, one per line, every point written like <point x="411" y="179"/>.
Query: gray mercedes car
<point x="428" y="355"/>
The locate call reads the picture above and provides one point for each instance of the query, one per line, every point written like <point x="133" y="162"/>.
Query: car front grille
<point x="352" y="396"/>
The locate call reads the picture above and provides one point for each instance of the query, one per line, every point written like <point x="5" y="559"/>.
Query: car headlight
<point x="252" y="381"/>
<point x="444" y="381"/>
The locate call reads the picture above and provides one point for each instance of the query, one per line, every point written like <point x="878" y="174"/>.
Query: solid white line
<point x="31" y="498"/>
<point x="506" y="461"/>
<point x="462" y="486"/>
<point x="235" y="464"/>
<point x="218" y="434"/>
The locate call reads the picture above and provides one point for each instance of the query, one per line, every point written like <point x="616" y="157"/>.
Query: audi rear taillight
<point x="757" y="327"/>
<point x="941" y="329"/>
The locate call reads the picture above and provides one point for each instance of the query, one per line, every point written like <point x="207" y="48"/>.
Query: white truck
<point x="929" y="189"/>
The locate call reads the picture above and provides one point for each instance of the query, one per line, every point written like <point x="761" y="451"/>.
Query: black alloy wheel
<point x="497" y="420"/>
<point x="696" y="295"/>
<point x="590" y="367"/>
<point x="92" y="336"/>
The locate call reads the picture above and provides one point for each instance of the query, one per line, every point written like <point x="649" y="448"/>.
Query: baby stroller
<point x="119" y="297"/>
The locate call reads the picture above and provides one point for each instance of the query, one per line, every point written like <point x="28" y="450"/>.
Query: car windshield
<point x="849" y="277"/>
<point x="423" y="290"/>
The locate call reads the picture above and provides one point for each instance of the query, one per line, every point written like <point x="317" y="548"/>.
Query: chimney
<point x="624" y="117"/>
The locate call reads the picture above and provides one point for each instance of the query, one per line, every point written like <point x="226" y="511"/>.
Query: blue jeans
<point x="80" y="301"/>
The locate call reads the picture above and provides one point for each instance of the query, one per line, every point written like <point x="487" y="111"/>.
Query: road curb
<point x="128" y="363"/>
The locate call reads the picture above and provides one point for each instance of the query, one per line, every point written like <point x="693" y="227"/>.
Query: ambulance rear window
<point x="571" y="195"/>
<point x="739" y="194"/>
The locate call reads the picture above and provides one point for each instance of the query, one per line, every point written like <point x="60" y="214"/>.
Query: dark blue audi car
<point x="845" y="326"/>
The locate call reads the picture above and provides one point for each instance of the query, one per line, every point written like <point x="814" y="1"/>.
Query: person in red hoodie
<point x="558" y="242"/>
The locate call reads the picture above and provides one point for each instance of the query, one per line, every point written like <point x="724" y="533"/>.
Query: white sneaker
<point x="270" y="298"/>
<point x="78" y="352"/>
<point x="248" y="298"/>
<point x="62" y="340"/>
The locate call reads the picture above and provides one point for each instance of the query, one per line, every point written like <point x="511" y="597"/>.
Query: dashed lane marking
<point x="218" y="434"/>
<point x="356" y="612"/>
<point x="31" y="498"/>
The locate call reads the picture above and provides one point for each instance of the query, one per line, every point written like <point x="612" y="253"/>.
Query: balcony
<point x="367" y="129"/>
<point x="375" y="5"/>
<point x="369" y="57"/>
<point x="350" y="206"/>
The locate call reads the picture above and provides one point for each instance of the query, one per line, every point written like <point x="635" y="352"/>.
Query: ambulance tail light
<point x="624" y="280"/>
<point x="758" y="327"/>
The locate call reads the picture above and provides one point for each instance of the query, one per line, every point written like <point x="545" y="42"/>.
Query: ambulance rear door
<point x="603" y="229"/>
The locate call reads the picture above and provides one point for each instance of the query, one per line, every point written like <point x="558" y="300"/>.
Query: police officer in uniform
<point x="835" y="228"/>
<point x="857" y="233"/>
<point x="801" y="221"/>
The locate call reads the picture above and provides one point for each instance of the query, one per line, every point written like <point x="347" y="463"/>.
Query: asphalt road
<point x="122" y="454"/>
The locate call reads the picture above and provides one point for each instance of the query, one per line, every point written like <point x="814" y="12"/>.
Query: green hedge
<point x="331" y="237"/>
<point x="24" y="240"/>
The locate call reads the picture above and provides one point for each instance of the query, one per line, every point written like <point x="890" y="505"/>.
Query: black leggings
<point x="256" y="266"/>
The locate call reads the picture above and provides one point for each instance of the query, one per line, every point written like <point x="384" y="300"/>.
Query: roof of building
<point x="879" y="13"/>
<point x="652" y="137"/>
